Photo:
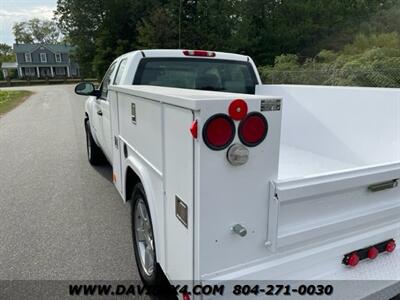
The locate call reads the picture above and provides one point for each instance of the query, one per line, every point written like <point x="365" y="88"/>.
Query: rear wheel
<point x="143" y="238"/>
<point x="94" y="153"/>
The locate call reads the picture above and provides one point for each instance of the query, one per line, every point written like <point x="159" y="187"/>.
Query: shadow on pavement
<point x="105" y="171"/>
<point x="168" y="293"/>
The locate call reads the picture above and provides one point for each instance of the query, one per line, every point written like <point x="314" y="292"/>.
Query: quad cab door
<point x="103" y="114"/>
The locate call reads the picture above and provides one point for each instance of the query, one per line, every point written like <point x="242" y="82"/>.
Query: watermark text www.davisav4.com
<point x="201" y="289"/>
<point x="62" y="289"/>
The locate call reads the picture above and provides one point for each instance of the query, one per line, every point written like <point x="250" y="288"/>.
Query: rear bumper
<point x="323" y="264"/>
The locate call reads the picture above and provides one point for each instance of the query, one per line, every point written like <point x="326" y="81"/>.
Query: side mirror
<point x="86" y="89"/>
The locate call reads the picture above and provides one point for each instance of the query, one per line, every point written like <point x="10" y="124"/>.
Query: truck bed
<point x="298" y="163"/>
<point x="334" y="129"/>
<point x="336" y="144"/>
<point x="315" y="206"/>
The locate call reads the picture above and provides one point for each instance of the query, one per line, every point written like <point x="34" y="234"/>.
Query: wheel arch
<point x="131" y="179"/>
<point x="87" y="119"/>
<point x="134" y="173"/>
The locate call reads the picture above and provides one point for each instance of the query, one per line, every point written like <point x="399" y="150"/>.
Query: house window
<point x="58" y="57"/>
<point x="43" y="57"/>
<point x="28" y="57"/>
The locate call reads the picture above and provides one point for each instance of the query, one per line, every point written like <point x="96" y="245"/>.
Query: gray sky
<point x="12" y="11"/>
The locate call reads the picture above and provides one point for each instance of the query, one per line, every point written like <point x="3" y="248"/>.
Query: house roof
<point x="9" y="65"/>
<point x="18" y="48"/>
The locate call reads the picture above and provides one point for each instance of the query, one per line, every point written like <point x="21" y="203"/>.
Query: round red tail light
<point x="373" y="253"/>
<point x="219" y="132"/>
<point x="253" y="129"/>
<point x="390" y="246"/>
<point x="353" y="260"/>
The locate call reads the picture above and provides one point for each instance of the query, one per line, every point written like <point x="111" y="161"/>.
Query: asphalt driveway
<point x="60" y="218"/>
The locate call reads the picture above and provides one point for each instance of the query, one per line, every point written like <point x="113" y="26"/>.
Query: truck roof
<point x="188" y="98"/>
<point x="179" y="53"/>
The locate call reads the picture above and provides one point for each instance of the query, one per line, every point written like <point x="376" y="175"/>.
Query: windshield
<point x="199" y="74"/>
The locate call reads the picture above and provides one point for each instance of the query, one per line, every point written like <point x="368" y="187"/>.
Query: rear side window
<point x="196" y="73"/>
<point x="120" y="71"/>
<point x="106" y="81"/>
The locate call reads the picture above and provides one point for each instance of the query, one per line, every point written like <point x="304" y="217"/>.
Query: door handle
<point x="99" y="112"/>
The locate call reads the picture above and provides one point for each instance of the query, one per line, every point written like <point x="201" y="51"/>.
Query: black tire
<point x="139" y="200"/>
<point x="94" y="153"/>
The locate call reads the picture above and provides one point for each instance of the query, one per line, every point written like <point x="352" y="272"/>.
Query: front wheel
<point x="143" y="237"/>
<point x="94" y="153"/>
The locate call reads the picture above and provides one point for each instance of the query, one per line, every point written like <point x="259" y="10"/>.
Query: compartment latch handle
<point x="383" y="186"/>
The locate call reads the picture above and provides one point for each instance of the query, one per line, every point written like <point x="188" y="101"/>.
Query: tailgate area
<point x="338" y="144"/>
<point x="331" y="206"/>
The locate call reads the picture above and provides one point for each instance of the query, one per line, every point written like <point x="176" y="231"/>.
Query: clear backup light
<point x="238" y="155"/>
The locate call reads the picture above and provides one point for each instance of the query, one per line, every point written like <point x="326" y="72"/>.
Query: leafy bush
<point x="370" y="60"/>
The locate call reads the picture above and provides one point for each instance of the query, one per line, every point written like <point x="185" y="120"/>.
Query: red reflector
<point x="238" y="109"/>
<point x="193" y="129"/>
<point x="253" y="129"/>
<point x="185" y="296"/>
<point x="390" y="246"/>
<point x="373" y="253"/>
<point x="203" y="53"/>
<point x="353" y="260"/>
<point x="219" y="132"/>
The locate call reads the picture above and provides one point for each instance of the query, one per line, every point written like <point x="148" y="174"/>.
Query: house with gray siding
<point x="45" y="61"/>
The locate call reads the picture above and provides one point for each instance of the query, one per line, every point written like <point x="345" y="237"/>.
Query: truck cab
<point x="169" y="68"/>
<point x="230" y="179"/>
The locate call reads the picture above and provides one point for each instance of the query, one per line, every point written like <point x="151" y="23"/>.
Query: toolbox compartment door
<point x="178" y="180"/>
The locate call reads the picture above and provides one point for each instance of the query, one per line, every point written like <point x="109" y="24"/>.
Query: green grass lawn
<point x="10" y="99"/>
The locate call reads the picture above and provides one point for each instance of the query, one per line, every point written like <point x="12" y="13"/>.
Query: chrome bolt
<point x="240" y="230"/>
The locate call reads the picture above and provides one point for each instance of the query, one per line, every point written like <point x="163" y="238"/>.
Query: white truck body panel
<point x="302" y="196"/>
<point x="161" y="140"/>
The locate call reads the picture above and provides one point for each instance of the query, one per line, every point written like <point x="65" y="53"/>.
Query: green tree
<point x="263" y="29"/>
<point x="36" y="31"/>
<point x="101" y="29"/>
<point x="80" y="21"/>
<point x="159" y="30"/>
<point x="5" y="49"/>
<point x="113" y="37"/>
<point x="6" y="55"/>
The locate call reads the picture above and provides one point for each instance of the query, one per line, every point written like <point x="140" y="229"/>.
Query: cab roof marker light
<point x="202" y="53"/>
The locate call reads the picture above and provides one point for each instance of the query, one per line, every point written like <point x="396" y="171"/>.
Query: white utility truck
<point x="230" y="179"/>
